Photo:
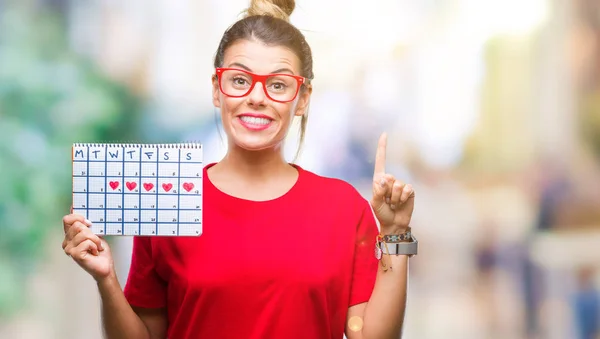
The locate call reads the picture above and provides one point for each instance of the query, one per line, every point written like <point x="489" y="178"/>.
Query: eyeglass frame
<point x="259" y="78"/>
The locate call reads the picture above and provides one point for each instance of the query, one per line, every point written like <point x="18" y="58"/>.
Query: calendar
<point x="139" y="189"/>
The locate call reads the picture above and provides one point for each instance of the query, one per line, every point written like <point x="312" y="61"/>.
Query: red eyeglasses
<point x="238" y="83"/>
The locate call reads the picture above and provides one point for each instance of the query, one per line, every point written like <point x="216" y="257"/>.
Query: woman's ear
<point x="216" y="92"/>
<point x="303" y="101"/>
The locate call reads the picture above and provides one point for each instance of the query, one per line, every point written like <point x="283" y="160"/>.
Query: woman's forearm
<point x="118" y="318"/>
<point x="384" y="313"/>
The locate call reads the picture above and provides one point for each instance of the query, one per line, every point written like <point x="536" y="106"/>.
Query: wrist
<point x="395" y="229"/>
<point x="107" y="281"/>
<point x="406" y="236"/>
<point x="396" y="244"/>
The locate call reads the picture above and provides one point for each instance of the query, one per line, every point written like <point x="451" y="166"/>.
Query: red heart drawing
<point x="114" y="185"/>
<point x="148" y="186"/>
<point x="188" y="186"/>
<point x="130" y="185"/>
<point x="167" y="187"/>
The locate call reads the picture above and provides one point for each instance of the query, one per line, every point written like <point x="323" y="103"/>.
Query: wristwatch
<point x="398" y="248"/>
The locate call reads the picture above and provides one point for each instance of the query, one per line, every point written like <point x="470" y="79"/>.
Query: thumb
<point x="104" y="245"/>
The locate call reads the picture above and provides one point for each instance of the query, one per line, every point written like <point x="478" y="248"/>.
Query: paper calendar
<point x="139" y="189"/>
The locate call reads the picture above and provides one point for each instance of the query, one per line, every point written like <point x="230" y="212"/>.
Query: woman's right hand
<point x="87" y="249"/>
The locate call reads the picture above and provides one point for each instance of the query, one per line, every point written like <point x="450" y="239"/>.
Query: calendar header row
<point x="143" y="153"/>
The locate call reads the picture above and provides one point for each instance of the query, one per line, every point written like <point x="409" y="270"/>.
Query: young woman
<point x="285" y="253"/>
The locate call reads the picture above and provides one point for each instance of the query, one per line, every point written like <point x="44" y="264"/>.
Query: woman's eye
<point x="239" y="81"/>
<point x="278" y="86"/>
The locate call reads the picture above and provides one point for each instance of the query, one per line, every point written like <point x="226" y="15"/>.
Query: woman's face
<point x="255" y="122"/>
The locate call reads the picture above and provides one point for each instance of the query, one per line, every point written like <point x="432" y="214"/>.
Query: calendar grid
<point x="123" y="189"/>
<point x="139" y="189"/>
<point x="163" y="194"/>
<point x="137" y="176"/>
<point x="87" y="185"/>
<point x="178" y="185"/>
<point x="105" y="185"/>
<point x="142" y="209"/>
<point x="140" y="196"/>
<point x="136" y="161"/>
<point x="157" y="180"/>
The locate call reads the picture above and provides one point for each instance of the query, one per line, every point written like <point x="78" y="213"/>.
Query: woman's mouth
<point x="255" y="123"/>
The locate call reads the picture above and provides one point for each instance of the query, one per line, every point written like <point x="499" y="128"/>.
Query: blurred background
<point x="492" y="109"/>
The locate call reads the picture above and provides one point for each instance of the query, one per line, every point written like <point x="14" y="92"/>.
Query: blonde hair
<point x="280" y="9"/>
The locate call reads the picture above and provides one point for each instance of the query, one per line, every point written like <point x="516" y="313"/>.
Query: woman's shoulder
<point x="330" y="182"/>
<point x="331" y="186"/>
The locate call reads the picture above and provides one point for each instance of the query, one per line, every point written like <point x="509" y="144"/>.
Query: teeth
<point x="255" y="120"/>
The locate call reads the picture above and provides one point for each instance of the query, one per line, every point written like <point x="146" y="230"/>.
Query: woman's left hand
<point x="393" y="200"/>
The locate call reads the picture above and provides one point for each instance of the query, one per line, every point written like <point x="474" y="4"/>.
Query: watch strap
<point x="394" y="238"/>
<point x="400" y="248"/>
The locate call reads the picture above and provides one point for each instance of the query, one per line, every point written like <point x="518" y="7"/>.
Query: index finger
<point x="380" y="155"/>
<point x="70" y="219"/>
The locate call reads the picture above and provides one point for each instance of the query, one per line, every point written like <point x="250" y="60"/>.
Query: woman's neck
<point x="253" y="175"/>
<point x="254" y="164"/>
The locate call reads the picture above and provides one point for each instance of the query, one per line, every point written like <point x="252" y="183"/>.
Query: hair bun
<point x="281" y="9"/>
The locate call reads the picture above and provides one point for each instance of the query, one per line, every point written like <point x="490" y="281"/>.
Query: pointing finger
<point x="380" y="155"/>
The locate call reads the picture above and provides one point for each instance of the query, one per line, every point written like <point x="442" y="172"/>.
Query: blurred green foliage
<point x="49" y="99"/>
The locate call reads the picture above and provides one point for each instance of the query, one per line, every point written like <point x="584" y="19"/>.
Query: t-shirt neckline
<point x="285" y="195"/>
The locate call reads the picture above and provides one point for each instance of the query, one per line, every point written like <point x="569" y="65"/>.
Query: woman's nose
<point x="257" y="95"/>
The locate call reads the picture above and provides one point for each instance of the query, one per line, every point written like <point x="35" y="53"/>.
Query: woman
<point x="285" y="253"/>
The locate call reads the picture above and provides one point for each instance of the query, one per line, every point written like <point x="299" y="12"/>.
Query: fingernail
<point x="393" y="207"/>
<point x="87" y="222"/>
<point x="387" y="200"/>
<point x="382" y="182"/>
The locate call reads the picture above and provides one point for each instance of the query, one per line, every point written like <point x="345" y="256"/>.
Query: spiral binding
<point x="186" y="145"/>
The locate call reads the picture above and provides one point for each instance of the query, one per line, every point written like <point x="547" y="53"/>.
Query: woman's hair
<point x="267" y="21"/>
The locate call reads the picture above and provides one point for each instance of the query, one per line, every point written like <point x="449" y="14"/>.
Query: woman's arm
<point x="120" y="320"/>
<point x="382" y="316"/>
<point x="93" y="254"/>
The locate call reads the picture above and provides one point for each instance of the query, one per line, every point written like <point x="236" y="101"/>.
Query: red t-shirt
<point x="285" y="268"/>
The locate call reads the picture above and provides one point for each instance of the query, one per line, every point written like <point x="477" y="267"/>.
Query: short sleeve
<point x="144" y="287"/>
<point x="365" y="264"/>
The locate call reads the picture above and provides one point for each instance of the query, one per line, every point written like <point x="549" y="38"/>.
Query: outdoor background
<point x="492" y="109"/>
